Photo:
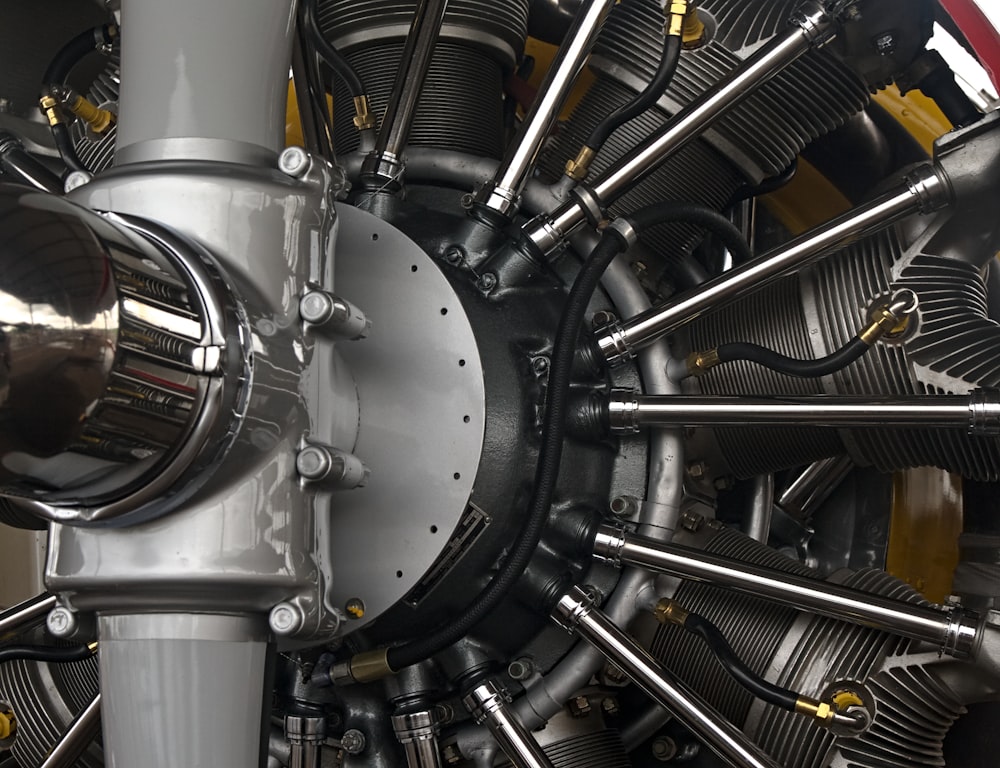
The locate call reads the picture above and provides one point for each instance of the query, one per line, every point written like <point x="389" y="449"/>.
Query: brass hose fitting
<point x="694" y="34"/>
<point x="50" y="108"/>
<point x="883" y="321"/>
<point x="669" y="611"/>
<point x="699" y="363"/>
<point x="363" y="118"/>
<point x="676" y="12"/>
<point x="820" y="711"/>
<point x="579" y="166"/>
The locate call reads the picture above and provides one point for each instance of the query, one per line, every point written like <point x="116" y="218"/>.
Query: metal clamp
<point x="984" y="413"/>
<point x="623" y="410"/>
<point x="818" y="25"/>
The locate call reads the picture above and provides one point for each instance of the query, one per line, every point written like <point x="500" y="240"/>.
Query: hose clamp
<point x="818" y="26"/>
<point x="623" y="410"/>
<point x="624" y="227"/>
<point x="609" y="544"/>
<point x="572" y="608"/>
<point x="589" y="203"/>
<point x="984" y="413"/>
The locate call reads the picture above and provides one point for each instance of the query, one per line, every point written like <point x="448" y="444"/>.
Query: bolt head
<point x="313" y="463"/>
<point x="316" y="307"/>
<point x="664" y="749"/>
<point x="294" y="161"/>
<point x="487" y="282"/>
<point x="285" y="619"/>
<point x="76" y="180"/>
<point x="61" y="622"/>
<point x="353" y="741"/>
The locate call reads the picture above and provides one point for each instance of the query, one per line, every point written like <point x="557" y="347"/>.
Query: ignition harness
<point x="683" y="29"/>
<point x="889" y="318"/>
<point x="372" y="665"/>
<point x="47" y="653"/>
<point x="363" y="118"/>
<point x="54" y="90"/>
<point x="670" y="612"/>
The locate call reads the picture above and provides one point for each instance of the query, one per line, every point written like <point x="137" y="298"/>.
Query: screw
<point x="691" y="521"/>
<point x="723" y="483"/>
<point x="76" y="180"/>
<point x="61" y="622"/>
<point x="601" y="318"/>
<point x="540" y="364"/>
<point x="664" y="749"/>
<point x="521" y="669"/>
<point x="353" y="741"/>
<point x="614" y="673"/>
<point x="294" y="161"/>
<point x="285" y="619"/>
<point x="579" y="706"/>
<point x="450" y="751"/>
<point x="486" y="282"/>
<point x="610" y="706"/>
<point x="466" y="203"/>
<point x="696" y="469"/>
<point x="454" y="255"/>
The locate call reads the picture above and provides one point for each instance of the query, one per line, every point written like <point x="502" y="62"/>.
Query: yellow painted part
<point x="7" y="724"/>
<point x="543" y="53"/>
<point x="293" y="123"/>
<point x="924" y="530"/>
<point x="916" y="113"/>
<point x="807" y="200"/>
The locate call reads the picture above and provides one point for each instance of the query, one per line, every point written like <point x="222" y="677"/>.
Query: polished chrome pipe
<point x="78" y="737"/>
<point x="489" y="703"/>
<point x="418" y="733"/>
<point x="924" y="191"/>
<point x="812" y="27"/>
<point x="305" y="735"/>
<point x="758" y="521"/>
<point x="576" y="612"/>
<point x="384" y="166"/>
<point x="953" y="630"/>
<point x="502" y="194"/>
<point x="813" y="486"/>
<point x="26" y="615"/>
<point x="978" y="412"/>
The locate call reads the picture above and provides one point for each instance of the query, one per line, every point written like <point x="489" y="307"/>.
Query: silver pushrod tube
<point x="489" y="703"/>
<point x="418" y="733"/>
<point x="924" y="191"/>
<point x="27" y="614"/>
<point x="385" y="162"/>
<point x="812" y="27"/>
<point x="77" y="738"/>
<point x="978" y="413"/>
<point x="576" y="612"/>
<point x="503" y="192"/>
<point x="953" y="631"/>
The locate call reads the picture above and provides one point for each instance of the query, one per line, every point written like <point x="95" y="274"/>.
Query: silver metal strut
<point x="576" y="612"/>
<point x="811" y="27"/>
<point x="25" y="615"/>
<point x="953" y="630"/>
<point x="384" y="166"/>
<point x="489" y="703"/>
<point x="78" y="736"/>
<point x="978" y="413"/>
<point x="924" y="191"/>
<point x="502" y="193"/>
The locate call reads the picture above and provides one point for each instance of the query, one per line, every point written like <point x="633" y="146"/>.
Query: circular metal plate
<point x="422" y="402"/>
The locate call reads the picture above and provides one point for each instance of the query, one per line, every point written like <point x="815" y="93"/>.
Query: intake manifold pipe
<point x="576" y="612"/>
<point x="489" y="704"/>
<point x="952" y="629"/>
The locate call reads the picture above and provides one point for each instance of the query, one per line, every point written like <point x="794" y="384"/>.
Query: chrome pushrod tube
<point x="576" y="612"/>
<point x="811" y="27"/>
<point x="77" y="738"/>
<point x="26" y="615"/>
<point x="384" y="164"/>
<point x="978" y="413"/>
<point x="924" y="191"/>
<point x="953" y="630"/>
<point x="489" y="703"/>
<point x="418" y="733"/>
<point x="501" y="194"/>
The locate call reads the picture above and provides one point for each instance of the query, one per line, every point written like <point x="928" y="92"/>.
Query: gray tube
<point x="78" y="737"/>
<point x="26" y="615"/>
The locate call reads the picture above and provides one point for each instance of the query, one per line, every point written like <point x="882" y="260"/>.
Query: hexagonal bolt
<point x="451" y="753"/>
<point x="294" y="161"/>
<point x="62" y="622"/>
<point x="624" y="506"/>
<point x="286" y="619"/>
<point x="336" y="470"/>
<point x="579" y="706"/>
<point x="609" y="705"/>
<point x="353" y="741"/>
<point x="521" y="669"/>
<point x="486" y="282"/>
<point x="664" y="749"/>
<point x="333" y="315"/>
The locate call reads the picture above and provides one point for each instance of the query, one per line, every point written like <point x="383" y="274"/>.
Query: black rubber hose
<point x="333" y="58"/>
<point x="547" y="473"/>
<point x="767" y="186"/>
<point x="74" y="51"/>
<point x="67" y="151"/>
<point x="45" y="653"/>
<point x="790" y="366"/>
<point x="645" y="99"/>
<point x="735" y="666"/>
<point x="554" y="423"/>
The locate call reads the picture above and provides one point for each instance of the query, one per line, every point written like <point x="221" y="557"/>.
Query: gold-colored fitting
<point x="818" y="710"/>
<point x="669" y="611"/>
<point x="370" y="666"/>
<point x="50" y="108"/>
<point x="97" y="119"/>
<point x="578" y="168"/>
<point x="675" y="11"/>
<point x="92" y="646"/>
<point x="694" y="34"/>
<point x="883" y="322"/>
<point x="699" y="363"/>
<point x="363" y="118"/>
<point x="8" y="724"/>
